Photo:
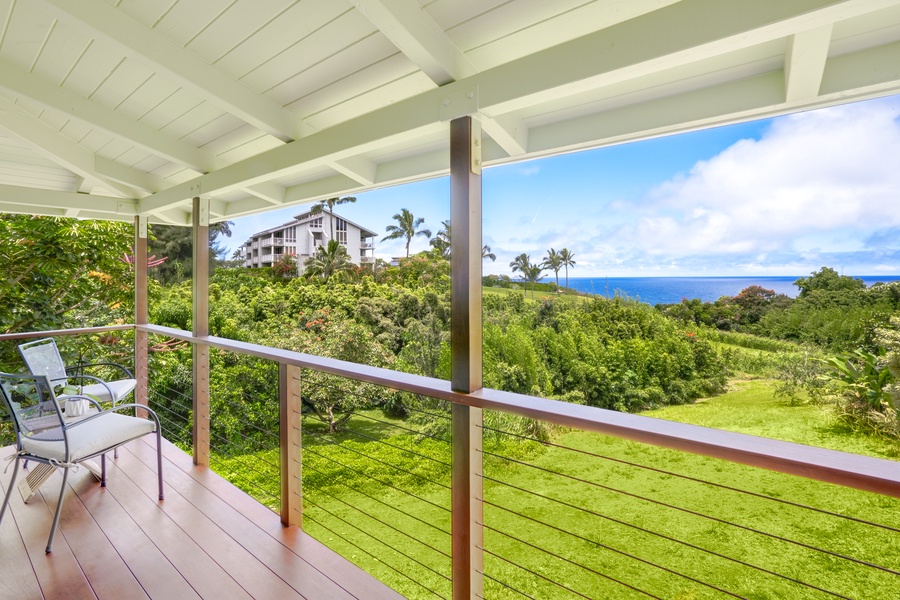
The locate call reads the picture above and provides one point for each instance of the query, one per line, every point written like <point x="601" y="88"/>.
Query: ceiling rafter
<point x="110" y="25"/>
<point x="421" y="40"/>
<point x="65" y="201"/>
<point x="22" y="83"/>
<point x="59" y="148"/>
<point x="804" y="64"/>
<point x="649" y="44"/>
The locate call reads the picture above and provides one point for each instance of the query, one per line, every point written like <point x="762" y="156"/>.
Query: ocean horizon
<point x="670" y="290"/>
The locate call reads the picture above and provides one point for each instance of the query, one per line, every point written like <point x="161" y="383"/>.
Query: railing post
<point x="200" y="217"/>
<point x="141" y="314"/>
<point x="291" y="446"/>
<point x="466" y="361"/>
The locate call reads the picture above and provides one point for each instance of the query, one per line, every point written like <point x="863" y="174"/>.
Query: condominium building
<point x="303" y="235"/>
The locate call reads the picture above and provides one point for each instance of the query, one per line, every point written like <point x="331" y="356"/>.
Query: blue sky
<point x="781" y="196"/>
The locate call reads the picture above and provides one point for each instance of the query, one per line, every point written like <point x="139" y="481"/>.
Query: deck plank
<point x="206" y="540"/>
<point x="356" y="581"/>
<point x="19" y="580"/>
<point x="201" y="572"/>
<point x="109" y="576"/>
<point x="247" y="570"/>
<point x="244" y="528"/>
<point x="157" y="575"/>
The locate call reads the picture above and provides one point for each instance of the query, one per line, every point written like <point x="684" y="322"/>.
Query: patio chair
<point x="42" y="358"/>
<point x="45" y="435"/>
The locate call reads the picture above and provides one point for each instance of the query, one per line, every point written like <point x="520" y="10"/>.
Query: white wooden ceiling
<point x="112" y="108"/>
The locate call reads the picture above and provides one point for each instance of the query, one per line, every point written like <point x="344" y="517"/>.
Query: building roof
<point x="111" y="108"/>
<point x="301" y="218"/>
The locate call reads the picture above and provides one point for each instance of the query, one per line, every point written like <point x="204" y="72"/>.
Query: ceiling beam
<point x="66" y="201"/>
<point x="804" y="63"/>
<point x="356" y="168"/>
<point x="57" y="147"/>
<point x="268" y="191"/>
<point x="425" y="43"/>
<point x="657" y="41"/>
<point x="114" y="171"/>
<point x="418" y="37"/>
<point x="112" y="27"/>
<point x="22" y="83"/>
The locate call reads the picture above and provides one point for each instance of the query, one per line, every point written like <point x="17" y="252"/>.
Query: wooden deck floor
<point x="207" y="539"/>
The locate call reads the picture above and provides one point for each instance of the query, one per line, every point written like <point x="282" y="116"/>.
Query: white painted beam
<point x="22" y="83"/>
<point x="804" y="63"/>
<point x="132" y="177"/>
<point x="268" y="191"/>
<point x="57" y="147"/>
<point x="660" y="40"/>
<point x="112" y="27"/>
<point x="418" y="37"/>
<point x="356" y="168"/>
<point x="509" y="131"/>
<point x="62" y="202"/>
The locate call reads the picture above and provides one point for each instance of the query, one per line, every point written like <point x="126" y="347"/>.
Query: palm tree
<point x="328" y="261"/>
<point x="319" y="207"/>
<point x="553" y="262"/>
<point x="406" y="227"/>
<point x="486" y="253"/>
<point x="568" y="260"/>
<point x="532" y="273"/>
<point x="441" y="240"/>
<point x="521" y="263"/>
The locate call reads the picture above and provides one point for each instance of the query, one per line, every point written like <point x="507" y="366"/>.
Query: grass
<point x="587" y="515"/>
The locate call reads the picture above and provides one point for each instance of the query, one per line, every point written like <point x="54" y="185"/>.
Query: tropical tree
<point x="554" y="263"/>
<point x="441" y="240"/>
<point x="521" y="264"/>
<point x="532" y="273"/>
<point x="177" y="244"/>
<point x="486" y="253"/>
<point x="319" y="207"/>
<point x="329" y="260"/>
<point x="568" y="260"/>
<point x="407" y="227"/>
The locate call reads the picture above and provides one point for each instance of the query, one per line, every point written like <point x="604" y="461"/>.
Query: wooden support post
<point x="291" y="447"/>
<point x="466" y="360"/>
<point x="141" y="314"/>
<point x="200" y="328"/>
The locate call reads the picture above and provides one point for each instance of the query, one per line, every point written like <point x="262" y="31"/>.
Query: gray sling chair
<point x="45" y="435"/>
<point x="42" y="358"/>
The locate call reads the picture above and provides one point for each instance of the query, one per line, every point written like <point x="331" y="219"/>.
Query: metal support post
<point x="466" y="356"/>
<point x="200" y="215"/>
<point x="291" y="446"/>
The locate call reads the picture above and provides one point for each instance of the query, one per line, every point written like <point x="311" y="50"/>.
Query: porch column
<point x="200" y="216"/>
<point x="141" y="314"/>
<point x="291" y="447"/>
<point x="465" y="350"/>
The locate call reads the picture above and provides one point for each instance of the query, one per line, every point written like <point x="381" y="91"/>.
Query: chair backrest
<point x="42" y="358"/>
<point x="32" y="406"/>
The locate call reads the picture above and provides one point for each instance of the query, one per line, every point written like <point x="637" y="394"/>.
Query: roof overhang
<point x="113" y="109"/>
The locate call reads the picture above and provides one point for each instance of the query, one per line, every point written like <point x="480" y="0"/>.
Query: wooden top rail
<point x="62" y="332"/>
<point x="841" y="468"/>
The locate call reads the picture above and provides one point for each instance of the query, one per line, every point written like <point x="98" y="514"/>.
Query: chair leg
<point x="9" y="490"/>
<point x="159" y="462"/>
<point x="102" y="470"/>
<point x="62" y="491"/>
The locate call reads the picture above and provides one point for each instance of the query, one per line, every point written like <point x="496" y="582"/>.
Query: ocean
<point x="669" y="290"/>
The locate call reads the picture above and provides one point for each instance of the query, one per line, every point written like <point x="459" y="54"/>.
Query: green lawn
<point x="588" y="516"/>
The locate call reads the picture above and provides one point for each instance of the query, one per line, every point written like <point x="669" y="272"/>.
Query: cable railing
<point x="375" y="480"/>
<point x="570" y="501"/>
<point x="614" y="523"/>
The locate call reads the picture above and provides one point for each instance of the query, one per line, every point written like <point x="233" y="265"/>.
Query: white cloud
<point x="828" y="178"/>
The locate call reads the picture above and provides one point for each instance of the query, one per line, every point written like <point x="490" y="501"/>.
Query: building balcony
<point x="367" y="260"/>
<point x="665" y="529"/>
<point x="266" y="258"/>
<point x="366" y="245"/>
<point x="269" y="242"/>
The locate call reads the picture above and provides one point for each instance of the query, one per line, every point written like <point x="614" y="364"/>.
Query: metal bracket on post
<point x="460" y="103"/>
<point x="142" y="226"/>
<point x="476" y="147"/>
